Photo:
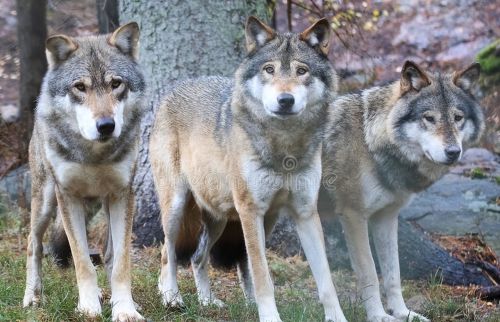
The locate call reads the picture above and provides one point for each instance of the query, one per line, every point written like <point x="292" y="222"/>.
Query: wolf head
<point x="435" y="115"/>
<point x="286" y="74"/>
<point x="94" y="82"/>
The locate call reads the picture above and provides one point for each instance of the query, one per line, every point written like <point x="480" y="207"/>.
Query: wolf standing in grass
<point x="384" y="145"/>
<point x="84" y="147"/>
<point x="244" y="149"/>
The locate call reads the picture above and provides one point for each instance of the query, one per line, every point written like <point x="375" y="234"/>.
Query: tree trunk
<point x="107" y="15"/>
<point x="31" y="35"/>
<point x="181" y="39"/>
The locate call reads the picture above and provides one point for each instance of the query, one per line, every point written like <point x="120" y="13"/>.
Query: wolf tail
<point x="59" y="244"/>
<point x="230" y="248"/>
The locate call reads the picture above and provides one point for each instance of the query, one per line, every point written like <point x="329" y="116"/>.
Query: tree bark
<point x="179" y="40"/>
<point x="31" y="35"/>
<point x="107" y="15"/>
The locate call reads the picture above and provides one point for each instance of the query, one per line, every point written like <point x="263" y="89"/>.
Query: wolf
<point x="83" y="148"/>
<point x="384" y="145"/>
<point x="241" y="149"/>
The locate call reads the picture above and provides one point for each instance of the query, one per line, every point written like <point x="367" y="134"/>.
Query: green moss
<point x="478" y="173"/>
<point x="490" y="63"/>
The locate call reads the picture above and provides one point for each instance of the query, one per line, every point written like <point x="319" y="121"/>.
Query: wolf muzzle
<point x="452" y="153"/>
<point x="105" y="126"/>
<point x="285" y="102"/>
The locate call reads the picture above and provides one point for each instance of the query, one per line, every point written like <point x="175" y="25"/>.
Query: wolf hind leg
<point x="43" y="205"/>
<point x="213" y="228"/>
<point x="385" y="236"/>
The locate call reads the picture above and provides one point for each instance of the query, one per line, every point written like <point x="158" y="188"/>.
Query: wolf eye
<point x="458" y="118"/>
<point x="115" y="83"/>
<point x="301" y="71"/>
<point x="429" y="118"/>
<point x="80" y="87"/>
<point x="269" y="69"/>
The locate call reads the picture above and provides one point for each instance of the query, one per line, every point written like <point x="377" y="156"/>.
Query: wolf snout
<point x="105" y="126"/>
<point x="285" y="101"/>
<point x="452" y="153"/>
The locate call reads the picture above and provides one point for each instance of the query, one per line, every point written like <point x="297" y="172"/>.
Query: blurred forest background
<point x="371" y="40"/>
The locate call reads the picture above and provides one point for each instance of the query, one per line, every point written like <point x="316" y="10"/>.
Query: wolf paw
<point x="172" y="299"/>
<point x="31" y="298"/>
<point x="335" y="319"/>
<point x="89" y="305"/>
<point x="127" y="316"/>
<point x="382" y="318"/>
<point x="270" y="319"/>
<point x="211" y="300"/>
<point x="409" y="316"/>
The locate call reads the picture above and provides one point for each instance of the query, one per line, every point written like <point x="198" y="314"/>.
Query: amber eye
<point x="80" y="87"/>
<point x="301" y="71"/>
<point x="458" y="118"/>
<point x="429" y="118"/>
<point x="115" y="83"/>
<point x="269" y="69"/>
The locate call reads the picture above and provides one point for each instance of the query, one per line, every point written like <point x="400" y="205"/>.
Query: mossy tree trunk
<point x="179" y="40"/>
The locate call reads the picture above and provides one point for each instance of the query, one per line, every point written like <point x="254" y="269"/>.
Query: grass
<point x="295" y="290"/>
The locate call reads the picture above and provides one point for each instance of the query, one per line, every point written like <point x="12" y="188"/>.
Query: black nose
<point x="452" y="152"/>
<point x="105" y="125"/>
<point x="285" y="100"/>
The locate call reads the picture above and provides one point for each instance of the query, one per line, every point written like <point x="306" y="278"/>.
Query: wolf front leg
<point x="121" y="212"/>
<point x="252" y="223"/>
<point x="311" y="237"/>
<point x="73" y="216"/>
<point x="172" y="203"/>
<point x="385" y="237"/>
<point x="43" y="204"/>
<point x="356" y="234"/>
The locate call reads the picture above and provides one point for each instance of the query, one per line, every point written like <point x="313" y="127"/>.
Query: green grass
<point x="295" y="290"/>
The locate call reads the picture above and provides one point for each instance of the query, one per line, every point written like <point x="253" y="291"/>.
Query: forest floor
<point x="295" y="290"/>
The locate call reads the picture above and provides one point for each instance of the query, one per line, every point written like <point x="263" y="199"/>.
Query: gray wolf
<point x="383" y="146"/>
<point x="84" y="148"/>
<point x="243" y="149"/>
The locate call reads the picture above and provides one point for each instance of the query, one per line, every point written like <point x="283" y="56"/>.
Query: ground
<point x="295" y="289"/>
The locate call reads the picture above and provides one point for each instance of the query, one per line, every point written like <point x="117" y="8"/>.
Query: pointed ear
<point x="318" y="36"/>
<point x="126" y="39"/>
<point x="413" y="77"/>
<point x="59" y="47"/>
<point x="467" y="77"/>
<point x="257" y="33"/>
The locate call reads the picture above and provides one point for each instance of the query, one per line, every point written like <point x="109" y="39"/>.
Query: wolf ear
<point x="257" y="33"/>
<point x="318" y="36"/>
<point x="126" y="39"/>
<point x="467" y="77"/>
<point x="413" y="77"/>
<point x="59" y="47"/>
